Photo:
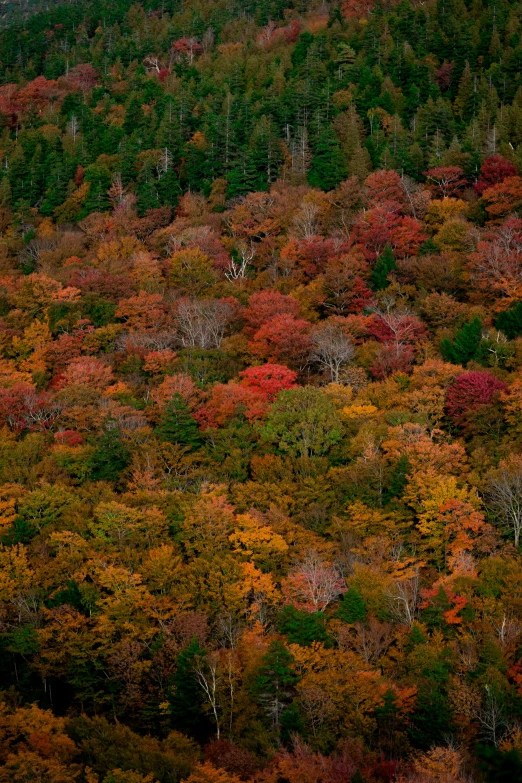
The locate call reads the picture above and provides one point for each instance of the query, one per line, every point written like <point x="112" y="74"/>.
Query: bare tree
<point x="491" y="716"/>
<point x="238" y="265"/>
<point x="504" y="499"/>
<point x="373" y="639"/>
<point x="316" y="583"/>
<point x="404" y="599"/>
<point x="201" y="323"/>
<point x="332" y="349"/>
<point x="306" y="221"/>
<point x="206" y="673"/>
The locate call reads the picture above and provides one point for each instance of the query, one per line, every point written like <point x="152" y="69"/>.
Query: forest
<point x="261" y="392"/>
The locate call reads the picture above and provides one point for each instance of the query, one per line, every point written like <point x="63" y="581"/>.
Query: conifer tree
<point x="384" y="265"/>
<point x="178" y="425"/>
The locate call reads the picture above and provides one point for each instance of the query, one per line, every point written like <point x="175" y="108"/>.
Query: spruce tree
<point x="111" y="456"/>
<point x="186" y="696"/>
<point x="328" y="168"/>
<point x="352" y="607"/>
<point x="178" y="425"/>
<point x="385" y="264"/>
<point x="466" y="344"/>
<point x="275" y="681"/>
<point x="510" y="321"/>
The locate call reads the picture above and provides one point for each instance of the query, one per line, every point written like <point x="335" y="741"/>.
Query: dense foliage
<point x="261" y="393"/>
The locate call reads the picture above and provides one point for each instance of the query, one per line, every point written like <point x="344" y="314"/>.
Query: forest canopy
<point x="261" y="392"/>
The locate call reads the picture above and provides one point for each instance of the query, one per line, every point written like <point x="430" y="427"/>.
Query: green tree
<point x="352" y="607"/>
<point x="510" y="321"/>
<point x="177" y="424"/>
<point x="328" y="168"/>
<point x="384" y="265"/>
<point x="275" y="682"/>
<point x="186" y="697"/>
<point x="464" y="347"/>
<point x="111" y="456"/>
<point x="303" y="422"/>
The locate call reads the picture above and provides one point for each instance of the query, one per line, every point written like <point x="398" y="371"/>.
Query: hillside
<point x="261" y="392"/>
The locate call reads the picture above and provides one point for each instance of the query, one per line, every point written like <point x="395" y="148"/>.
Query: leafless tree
<point x="238" y="267"/>
<point x="504" y="499"/>
<point x="404" y="598"/>
<point x="306" y="221"/>
<point x="316" y="582"/>
<point x="373" y="639"/>
<point x="491" y="716"/>
<point x="201" y="323"/>
<point x="332" y="349"/>
<point x="206" y="673"/>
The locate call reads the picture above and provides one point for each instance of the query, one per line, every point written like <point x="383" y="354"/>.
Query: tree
<point x="265" y="305"/>
<point x="446" y="180"/>
<point x="331" y="348"/>
<point x="303" y="422"/>
<point x="186" y="695"/>
<point x="464" y="347"/>
<point x="469" y="391"/>
<point x="314" y="584"/>
<point x="494" y="169"/>
<point x="177" y="424"/>
<point x="111" y="456"/>
<point x="275" y="682"/>
<point x="383" y="266"/>
<point x="510" y="321"/>
<point x="284" y="340"/>
<point x="328" y="168"/>
<point x="504" y="496"/>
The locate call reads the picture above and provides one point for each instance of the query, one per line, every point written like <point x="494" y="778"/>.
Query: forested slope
<point x="261" y="393"/>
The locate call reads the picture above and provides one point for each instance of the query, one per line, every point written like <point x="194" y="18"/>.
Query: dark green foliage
<point x="302" y="627"/>
<point x="111" y="456"/>
<point x="275" y="681"/>
<point x="383" y="266"/>
<point x="328" y="168"/>
<point x="431" y="722"/>
<point x="499" y="766"/>
<point x="186" y="695"/>
<point x="510" y="321"/>
<point x="398" y="479"/>
<point x="465" y="345"/>
<point x="352" y="607"/>
<point x="178" y="425"/>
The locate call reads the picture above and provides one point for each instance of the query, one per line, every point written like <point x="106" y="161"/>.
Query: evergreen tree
<point x="328" y="168"/>
<point x="302" y="627"/>
<point x="178" y="425"/>
<point x="275" y="682"/>
<point x="510" y="321"/>
<point x="186" y="695"/>
<point x="352" y="608"/>
<point x="111" y="456"/>
<point x="384" y="265"/>
<point x="464" y="347"/>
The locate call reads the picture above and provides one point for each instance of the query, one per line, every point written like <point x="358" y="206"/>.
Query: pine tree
<point x="510" y="321"/>
<point x="384" y="265"/>
<point x="352" y="608"/>
<point x="186" y="696"/>
<point x="328" y="169"/>
<point x="466" y="344"/>
<point x="111" y="456"/>
<point x="275" y="681"/>
<point x="178" y="425"/>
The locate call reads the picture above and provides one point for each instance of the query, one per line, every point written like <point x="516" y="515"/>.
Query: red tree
<point x="446" y="180"/>
<point x="284" y="339"/>
<point x="494" y="169"/>
<point x="264" y="306"/>
<point x="470" y="391"/>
